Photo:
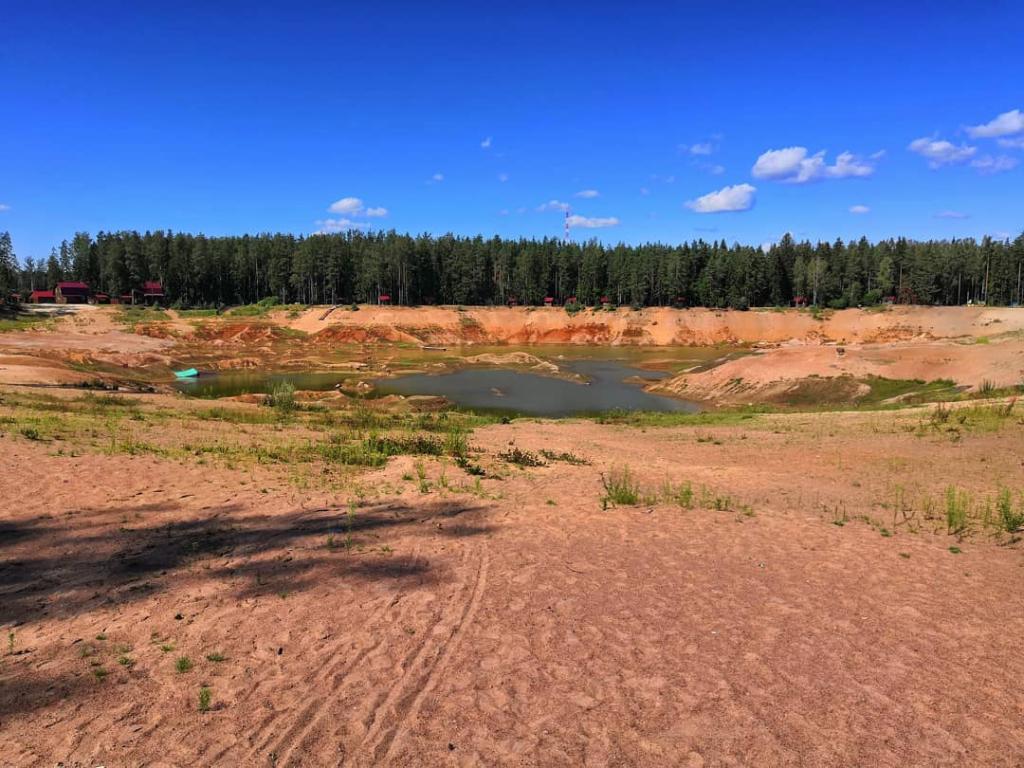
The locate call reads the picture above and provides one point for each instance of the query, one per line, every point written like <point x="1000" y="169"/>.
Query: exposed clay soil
<point x="501" y="629"/>
<point x="658" y="326"/>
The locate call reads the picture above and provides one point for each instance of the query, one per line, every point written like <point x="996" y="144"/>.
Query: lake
<point x="610" y="375"/>
<point x="533" y="394"/>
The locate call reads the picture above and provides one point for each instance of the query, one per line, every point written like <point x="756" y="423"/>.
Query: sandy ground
<point x="523" y="624"/>
<point x="769" y="373"/>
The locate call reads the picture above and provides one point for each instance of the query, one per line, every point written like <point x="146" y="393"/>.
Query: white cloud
<point x="553" y="205"/>
<point x="486" y="143"/>
<point x="795" y="166"/>
<point x="714" y="169"/>
<point x="378" y="212"/>
<point x="1017" y="143"/>
<point x="859" y="209"/>
<point x="739" y="197"/>
<point x="988" y="165"/>
<point x="1005" y="124"/>
<point x="592" y="223"/>
<point x="351" y="206"/>
<point x="589" y="194"/>
<point x="437" y="178"/>
<point x="4" y="207"/>
<point x="645" y="191"/>
<point x="951" y="215"/>
<point x="702" y="148"/>
<point x="939" y="152"/>
<point x="503" y="212"/>
<point x="337" y="225"/>
<point x="877" y="155"/>
<point x="502" y="177"/>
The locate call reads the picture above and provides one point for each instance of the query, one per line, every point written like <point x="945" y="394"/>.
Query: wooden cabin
<point x="71" y="292"/>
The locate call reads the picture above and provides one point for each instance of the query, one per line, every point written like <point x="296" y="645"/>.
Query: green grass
<point x="205" y="695"/>
<point x="22" y="321"/>
<point x="216" y="657"/>
<point x="183" y="664"/>
<point x="620" y="487"/>
<point x="958" y="505"/>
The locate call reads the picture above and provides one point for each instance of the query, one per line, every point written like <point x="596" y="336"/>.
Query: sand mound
<point x="519" y="359"/>
<point x="768" y="374"/>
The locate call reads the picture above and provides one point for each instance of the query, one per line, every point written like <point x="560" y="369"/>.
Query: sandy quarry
<point x="970" y="346"/>
<point x="809" y="608"/>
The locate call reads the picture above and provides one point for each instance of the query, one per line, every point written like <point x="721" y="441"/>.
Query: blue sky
<point x="646" y="118"/>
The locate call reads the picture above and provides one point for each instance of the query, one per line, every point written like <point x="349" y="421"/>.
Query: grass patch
<point x="620" y="488"/>
<point x="205" y="695"/>
<point x="521" y="458"/>
<point x="183" y="664"/>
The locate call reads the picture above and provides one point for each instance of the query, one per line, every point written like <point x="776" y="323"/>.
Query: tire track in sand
<point x="297" y="723"/>
<point x="389" y="724"/>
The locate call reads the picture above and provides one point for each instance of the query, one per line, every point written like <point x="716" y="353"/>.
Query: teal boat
<point x="188" y="373"/>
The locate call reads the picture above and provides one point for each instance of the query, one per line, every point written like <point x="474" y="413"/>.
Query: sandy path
<point x="481" y="631"/>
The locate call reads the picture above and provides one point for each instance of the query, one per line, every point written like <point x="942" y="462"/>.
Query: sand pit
<point x="384" y="582"/>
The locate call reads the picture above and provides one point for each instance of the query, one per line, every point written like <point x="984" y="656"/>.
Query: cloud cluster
<point x="327" y="226"/>
<point x="987" y="164"/>
<point x="585" y="222"/>
<point x="553" y="205"/>
<point x="353" y="206"/>
<point x="1005" y="124"/>
<point x="588" y="194"/>
<point x="939" y="152"/>
<point x="738" y="197"/>
<point x="795" y="165"/>
<point x="348" y="208"/>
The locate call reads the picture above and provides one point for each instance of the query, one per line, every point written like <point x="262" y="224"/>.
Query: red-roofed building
<point x="100" y="298"/>
<point x="41" y="297"/>
<point x="152" y="292"/>
<point x="384" y="299"/>
<point x="71" y="292"/>
<point x="548" y="301"/>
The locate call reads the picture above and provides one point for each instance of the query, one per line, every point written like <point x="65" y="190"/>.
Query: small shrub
<point x="519" y="457"/>
<point x="183" y="664"/>
<point x="1011" y="520"/>
<point x="681" y="494"/>
<point x="282" y="398"/>
<point x="620" y="487"/>
<point x="205" y="694"/>
<point x="957" y="504"/>
<point x="568" y="458"/>
<point x="30" y="433"/>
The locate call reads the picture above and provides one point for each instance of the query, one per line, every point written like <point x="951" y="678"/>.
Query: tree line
<point x="354" y="266"/>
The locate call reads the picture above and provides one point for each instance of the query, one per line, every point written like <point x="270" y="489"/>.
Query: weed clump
<point x="282" y="398"/>
<point x="620" y="488"/>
